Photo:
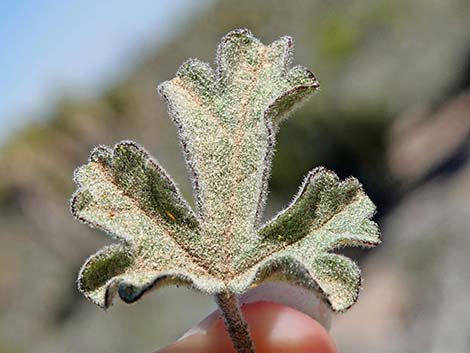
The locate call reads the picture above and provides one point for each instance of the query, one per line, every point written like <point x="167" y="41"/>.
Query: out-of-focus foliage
<point x="377" y="60"/>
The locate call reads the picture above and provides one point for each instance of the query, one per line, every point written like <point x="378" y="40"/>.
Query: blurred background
<point x="394" y="111"/>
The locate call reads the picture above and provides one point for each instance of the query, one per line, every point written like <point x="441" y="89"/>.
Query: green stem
<point x="235" y="323"/>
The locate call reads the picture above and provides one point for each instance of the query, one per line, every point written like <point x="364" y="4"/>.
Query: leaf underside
<point x="227" y="119"/>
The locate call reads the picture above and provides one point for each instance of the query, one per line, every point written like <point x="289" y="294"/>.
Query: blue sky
<point x="51" y="46"/>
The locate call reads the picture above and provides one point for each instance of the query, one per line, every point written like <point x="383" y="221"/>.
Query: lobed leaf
<point x="326" y="214"/>
<point x="127" y="194"/>
<point x="226" y="120"/>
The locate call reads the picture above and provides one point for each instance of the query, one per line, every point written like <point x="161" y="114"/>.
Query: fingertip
<point x="274" y="328"/>
<point x="279" y="328"/>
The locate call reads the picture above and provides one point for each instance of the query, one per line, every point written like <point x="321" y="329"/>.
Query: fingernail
<point x="201" y="327"/>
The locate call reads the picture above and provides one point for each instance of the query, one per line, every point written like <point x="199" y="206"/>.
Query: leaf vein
<point x="157" y="221"/>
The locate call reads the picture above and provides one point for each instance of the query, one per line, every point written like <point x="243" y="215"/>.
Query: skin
<point x="274" y="328"/>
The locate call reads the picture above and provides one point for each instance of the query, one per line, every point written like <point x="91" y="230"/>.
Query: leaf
<point x="325" y="215"/>
<point x="227" y="119"/>
<point x="127" y="194"/>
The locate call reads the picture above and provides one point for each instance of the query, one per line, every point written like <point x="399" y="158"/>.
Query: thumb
<point x="274" y="328"/>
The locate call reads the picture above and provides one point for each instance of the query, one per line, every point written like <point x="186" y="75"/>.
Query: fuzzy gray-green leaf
<point x="102" y="267"/>
<point x="227" y="121"/>
<point x="126" y="193"/>
<point x="227" y="118"/>
<point x="326" y="214"/>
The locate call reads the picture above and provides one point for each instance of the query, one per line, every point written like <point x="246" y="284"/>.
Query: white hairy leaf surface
<point x="227" y="118"/>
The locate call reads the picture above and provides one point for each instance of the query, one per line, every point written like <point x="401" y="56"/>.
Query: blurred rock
<point x="422" y="141"/>
<point x="415" y="296"/>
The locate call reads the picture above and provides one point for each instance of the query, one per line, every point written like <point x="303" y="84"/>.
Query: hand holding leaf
<point x="227" y="121"/>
